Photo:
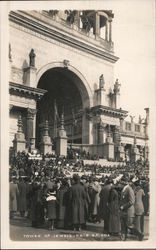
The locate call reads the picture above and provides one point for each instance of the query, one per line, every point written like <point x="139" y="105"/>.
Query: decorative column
<point x="46" y="144"/>
<point x="101" y="92"/>
<point x="110" y="30"/>
<point x="97" y="25"/>
<point x="132" y="124"/>
<point x="31" y="125"/>
<point x="100" y="134"/>
<point x="146" y="122"/>
<point x="116" y="90"/>
<point x="30" y="72"/>
<point x="135" y="155"/>
<point x="19" y="141"/>
<point x="109" y="146"/>
<point x="61" y="140"/>
<point x="121" y="124"/>
<point x="120" y="154"/>
<point x="146" y="152"/>
<point x="106" y="31"/>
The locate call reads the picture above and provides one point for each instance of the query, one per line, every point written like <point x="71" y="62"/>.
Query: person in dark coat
<point x="103" y="207"/>
<point x="127" y="202"/>
<point x="87" y="200"/>
<point x="114" y="214"/>
<point x="14" y="192"/>
<point x="51" y="208"/>
<point x="22" y="196"/>
<point x="77" y="198"/>
<point x="37" y="204"/>
<point x="62" y="204"/>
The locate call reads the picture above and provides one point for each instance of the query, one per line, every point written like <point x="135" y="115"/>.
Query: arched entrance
<point x="66" y="92"/>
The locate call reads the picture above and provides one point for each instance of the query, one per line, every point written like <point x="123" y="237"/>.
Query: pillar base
<point x="19" y="142"/>
<point x="61" y="146"/>
<point x="135" y="154"/>
<point x="46" y="145"/>
<point x="109" y="150"/>
<point x="30" y="76"/>
<point x="120" y="153"/>
<point x="101" y="96"/>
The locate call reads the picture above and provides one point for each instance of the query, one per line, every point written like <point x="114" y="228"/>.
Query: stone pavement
<point x="21" y="230"/>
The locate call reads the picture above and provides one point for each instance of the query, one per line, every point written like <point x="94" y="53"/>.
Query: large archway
<point x="67" y="92"/>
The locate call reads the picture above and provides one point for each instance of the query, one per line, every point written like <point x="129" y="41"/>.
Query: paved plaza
<point x="21" y="230"/>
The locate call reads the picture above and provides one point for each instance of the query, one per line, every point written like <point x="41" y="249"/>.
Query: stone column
<point x="100" y="134"/>
<point x="110" y="30"/>
<point x="147" y="122"/>
<point x="30" y="76"/>
<point x="135" y="155"/>
<point x="46" y="144"/>
<point x="121" y="124"/>
<point x="109" y="146"/>
<point x="97" y="25"/>
<point x="19" y="140"/>
<point x="31" y="125"/>
<point x="61" y="140"/>
<point x="106" y="31"/>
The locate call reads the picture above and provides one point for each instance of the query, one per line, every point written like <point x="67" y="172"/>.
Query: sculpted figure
<point x="101" y="82"/>
<point x="32" y="58"/>
<point x="117" y="86"/>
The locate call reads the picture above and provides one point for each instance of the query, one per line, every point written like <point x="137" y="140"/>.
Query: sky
<point x="134" y="42"/>
<point x="133" y="33"/>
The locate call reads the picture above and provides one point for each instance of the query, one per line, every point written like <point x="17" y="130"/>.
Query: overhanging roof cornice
<point x="26" y="90"/>
<point x="109" y="111"/>
<point x="50" y="32"/>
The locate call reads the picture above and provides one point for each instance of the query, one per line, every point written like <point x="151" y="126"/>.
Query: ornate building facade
<point x="62" y="62"/>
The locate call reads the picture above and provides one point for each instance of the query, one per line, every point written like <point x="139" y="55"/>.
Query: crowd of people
<point x="59" y="192"/>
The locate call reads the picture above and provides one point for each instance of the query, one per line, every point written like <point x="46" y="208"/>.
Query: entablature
<point x="39" y="23"/>
<point x="26" y="91"/>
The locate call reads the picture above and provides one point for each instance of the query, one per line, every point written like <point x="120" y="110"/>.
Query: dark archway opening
<point x="63" y="93"/>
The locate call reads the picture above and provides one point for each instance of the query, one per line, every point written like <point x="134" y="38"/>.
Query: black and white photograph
<point x="78" y="100"/>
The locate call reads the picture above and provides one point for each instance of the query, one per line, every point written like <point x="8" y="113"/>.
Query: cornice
<point x="46" y="31"/>
<point x="109" y="111"/>
<point x="20" y="89"/>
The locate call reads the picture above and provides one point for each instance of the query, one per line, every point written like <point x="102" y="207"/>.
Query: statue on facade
<point x="86" y="23"/>
<point x="53" y="12"/>
<point x="101" y="82"/>
<point x="132" y="118"/>
<point x="140" y="119"/>
<point x="66" y="63"/>
<point x="32" y="58"/>
<point x="117" y="87"/>
<point x="70" y="16"/>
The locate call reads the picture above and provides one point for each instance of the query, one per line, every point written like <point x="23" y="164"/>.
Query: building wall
<point x="23" y="40"/>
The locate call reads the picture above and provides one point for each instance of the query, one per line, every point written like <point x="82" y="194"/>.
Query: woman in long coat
<point x="114" y="215"/>
<point x="14" y="192"/>
<point x="51" y="208"/>
<point x="77" y="198"/>
<point x="62" y="198"/>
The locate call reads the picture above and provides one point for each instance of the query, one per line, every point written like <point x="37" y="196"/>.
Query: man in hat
<point x="77" y="198"/>
<point x="127" y="202"/>
<point x="87" y="200"/>
<point x="103" y="207"/>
